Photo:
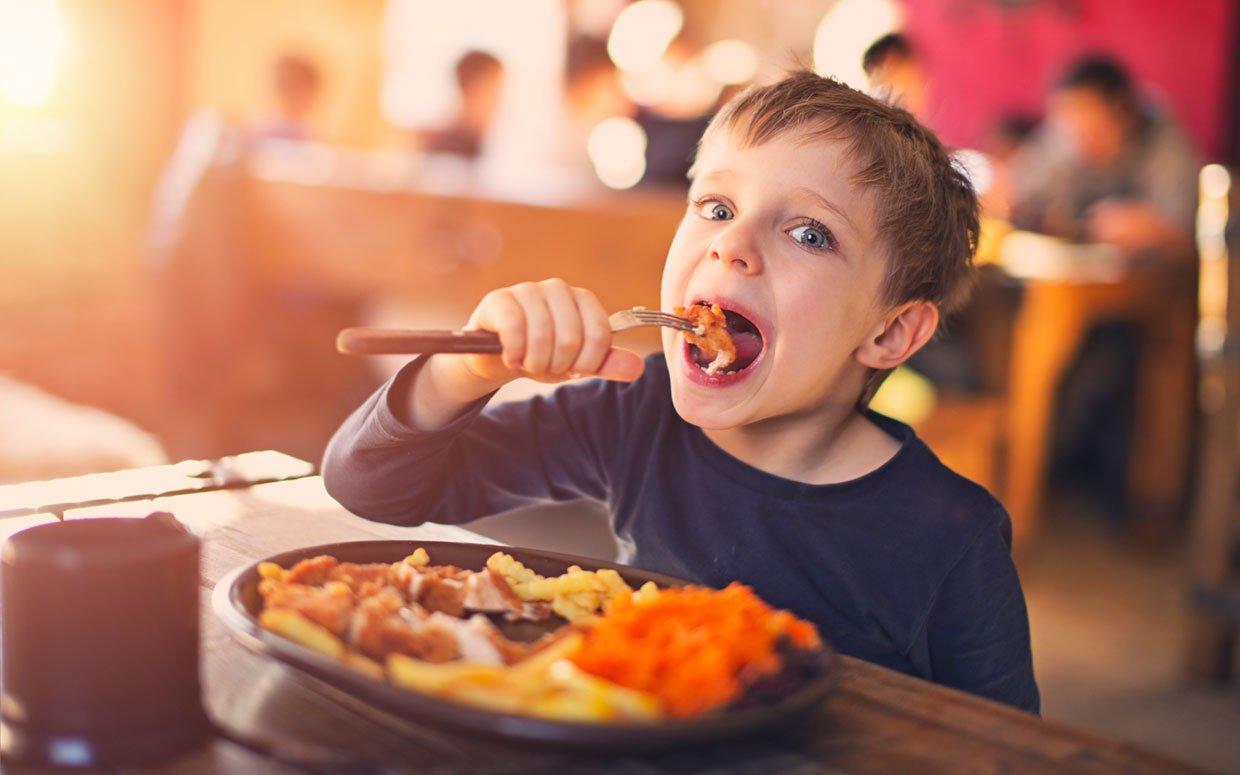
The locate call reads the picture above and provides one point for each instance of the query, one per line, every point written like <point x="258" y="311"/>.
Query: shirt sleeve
<point x="487" y="461"/>
<point x="978" y="630"/>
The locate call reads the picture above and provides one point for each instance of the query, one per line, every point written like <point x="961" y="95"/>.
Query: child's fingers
<point x="502" y="313"/>
<point x="596" y="340"/>
<point x="539" y="328"/>
<point x="566" y="319"/>
<point x="622" y="365"/>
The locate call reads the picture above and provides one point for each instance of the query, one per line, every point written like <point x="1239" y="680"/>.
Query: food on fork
<point x="616" y="655"/>
<point x="710" y="334"/>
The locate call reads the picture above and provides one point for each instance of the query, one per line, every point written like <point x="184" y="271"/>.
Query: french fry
<point x="595" y="691"/>
<point x="302" y="631"/>
<point x="434" y="677"/>
<point x="537" y="664"/>
<point x="364" y="664"/>
<point x="419" y="558"/>
<point x="564" y="706"/>
<point x="545" y="685"/>
<point x="490" y="695"/>
<point x="271" y="571"/>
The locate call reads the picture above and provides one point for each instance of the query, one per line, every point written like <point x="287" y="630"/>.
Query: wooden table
<point x="877" y="720"/>
<point x="57" y="495"/>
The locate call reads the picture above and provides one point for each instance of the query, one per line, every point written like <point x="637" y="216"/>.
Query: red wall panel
<point x="988" y="58"/>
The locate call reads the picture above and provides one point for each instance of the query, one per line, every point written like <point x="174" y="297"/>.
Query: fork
<point x="401" y="341"/>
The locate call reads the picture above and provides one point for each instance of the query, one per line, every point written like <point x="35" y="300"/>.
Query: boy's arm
<point x="417" y="450"/>
<point x="549" y="332"/>
<point x="547" y="448"/>
<point x="978" y="631"/>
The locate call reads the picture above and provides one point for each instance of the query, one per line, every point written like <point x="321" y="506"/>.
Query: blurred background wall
<point x="995" y="58"/>
<point x="96" y="102"/>
<point x="230" y="46"/>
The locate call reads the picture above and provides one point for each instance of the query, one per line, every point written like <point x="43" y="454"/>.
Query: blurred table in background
<point x="1067" y="291"/>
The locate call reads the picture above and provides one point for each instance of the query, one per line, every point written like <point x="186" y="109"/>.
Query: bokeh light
<point x="1215" y="181"/>
<point x="730" y="61"/>
<point x="977" y="167"/>
<point x="617" y="149"/>
<point x="642" y="33"/>
<point x="846" y="31"/>
<point x="677" y="89"/>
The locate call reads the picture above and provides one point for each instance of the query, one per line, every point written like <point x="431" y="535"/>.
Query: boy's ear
<point x="903" y="332"/>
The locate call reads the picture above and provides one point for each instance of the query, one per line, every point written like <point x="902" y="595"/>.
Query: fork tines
<point x="654" y="317"/>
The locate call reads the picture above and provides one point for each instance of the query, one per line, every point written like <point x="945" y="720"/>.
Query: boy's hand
<point x="550" y="332"/>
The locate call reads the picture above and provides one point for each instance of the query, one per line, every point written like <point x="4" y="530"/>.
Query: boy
<point x="832" y="229"/>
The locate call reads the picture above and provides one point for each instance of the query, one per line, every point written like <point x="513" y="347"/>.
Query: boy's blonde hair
<point x="926" y="208"/>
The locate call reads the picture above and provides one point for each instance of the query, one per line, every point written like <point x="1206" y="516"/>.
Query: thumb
<point x="622" y="365"/>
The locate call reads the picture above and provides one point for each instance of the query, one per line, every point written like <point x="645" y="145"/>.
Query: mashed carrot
<point x="694" y="648"/>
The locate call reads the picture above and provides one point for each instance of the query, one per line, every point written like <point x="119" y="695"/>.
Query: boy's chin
<point x="714" y="413"/>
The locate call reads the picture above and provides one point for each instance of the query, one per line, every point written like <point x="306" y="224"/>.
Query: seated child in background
<point x="833" y="231"/>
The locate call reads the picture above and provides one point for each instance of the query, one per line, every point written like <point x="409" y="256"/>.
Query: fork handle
<point x="397" y="341"/>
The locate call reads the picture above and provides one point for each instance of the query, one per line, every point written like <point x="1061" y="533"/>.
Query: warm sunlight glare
<point x="32" y="39"/>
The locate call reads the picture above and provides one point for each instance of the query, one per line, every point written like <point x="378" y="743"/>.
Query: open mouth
<point x="746" y="339"/>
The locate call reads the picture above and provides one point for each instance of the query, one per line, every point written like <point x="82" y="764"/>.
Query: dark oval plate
<point x="236" y="602"/>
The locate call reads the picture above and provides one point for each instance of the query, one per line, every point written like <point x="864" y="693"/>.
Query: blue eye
<point x="714" y="211"/>
<point x="812" y="237"/>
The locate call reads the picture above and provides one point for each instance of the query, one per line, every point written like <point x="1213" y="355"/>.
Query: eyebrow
<point x="723" y="174"/>
<point x="827" y="204"/>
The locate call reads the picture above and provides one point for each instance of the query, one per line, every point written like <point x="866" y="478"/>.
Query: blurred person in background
<point x="1004" y="146"/>
<point x="1109" y="167"/>
<point x="296" y="83"/>
<point x="480" y="83"/>
<point x="592" y="93"/>
<point x="1010" y="135"/>
<point x="896" y="73"/>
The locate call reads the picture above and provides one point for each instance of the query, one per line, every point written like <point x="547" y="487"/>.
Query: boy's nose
<point x="737" y="252"/>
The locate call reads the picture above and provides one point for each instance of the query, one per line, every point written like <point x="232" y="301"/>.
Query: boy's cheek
<point x="676" y="271"/>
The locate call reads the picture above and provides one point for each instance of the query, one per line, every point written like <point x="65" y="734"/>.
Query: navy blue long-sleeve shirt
<point x="908" y="566"/>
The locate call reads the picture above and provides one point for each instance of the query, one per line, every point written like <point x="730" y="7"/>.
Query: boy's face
<point x="780" y="237"/>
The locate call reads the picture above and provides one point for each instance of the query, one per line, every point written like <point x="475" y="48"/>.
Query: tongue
<point x="748" y="346"/>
